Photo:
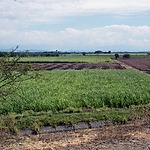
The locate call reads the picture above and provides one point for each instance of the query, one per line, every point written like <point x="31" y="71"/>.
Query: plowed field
<point x="142" y="64"/>
<point x="76" y="66"/>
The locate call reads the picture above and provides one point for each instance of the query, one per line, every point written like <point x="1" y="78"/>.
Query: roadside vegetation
<point x="14" y="122"/>
<point x="69" y="96"/>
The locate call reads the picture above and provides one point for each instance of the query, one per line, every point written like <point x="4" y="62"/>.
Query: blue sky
<point x="75" y="25"/>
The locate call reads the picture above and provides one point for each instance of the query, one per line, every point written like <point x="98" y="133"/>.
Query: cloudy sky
<point x="75" y="25"/>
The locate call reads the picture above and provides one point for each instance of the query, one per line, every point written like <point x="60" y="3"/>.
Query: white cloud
<point x="51" y="10"/>
<point x="19" y="17"/>
<point x="137" y="37"/>
<point x="23" y="13"/>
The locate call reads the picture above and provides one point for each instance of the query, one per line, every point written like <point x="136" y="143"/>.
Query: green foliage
<point x="32" y="54"/>
<point x="35" y="120"/>
<point x="116" y="56"/>
<point x="70" y="91"/>
<point x="126" y="56"/>
<point x="83" y="53"/>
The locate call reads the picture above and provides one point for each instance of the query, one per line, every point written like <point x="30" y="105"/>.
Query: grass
<point x="69" y="58"/>
<point x="34" y="120"/>
<point x="90" y="58"/>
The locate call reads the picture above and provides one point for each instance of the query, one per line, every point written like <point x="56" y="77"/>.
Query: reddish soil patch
<point x="142" y="64"/>
<point x="76" y="66"/>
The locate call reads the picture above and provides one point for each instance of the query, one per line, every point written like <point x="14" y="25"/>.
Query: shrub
<point x="126" y="56"/>
<point x="83" y="53"/>
<point x="116" y="56"/>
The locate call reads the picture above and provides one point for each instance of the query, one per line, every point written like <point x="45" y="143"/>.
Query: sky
<point x="75" y="25"/>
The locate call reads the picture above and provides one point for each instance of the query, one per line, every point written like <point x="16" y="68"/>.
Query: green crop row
<point x="59" y="90"/>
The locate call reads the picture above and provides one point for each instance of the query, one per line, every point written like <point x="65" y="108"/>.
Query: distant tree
<point x="116" y="56"/>
<point x="109" y="52"/>
<point x="83" y="53"/>
<point x="11" y="72"/>
<point x="2" y="54"/>
<point x="56" y="53"/>
<point x="126" y="55"/>
<point x="98" y="52"/>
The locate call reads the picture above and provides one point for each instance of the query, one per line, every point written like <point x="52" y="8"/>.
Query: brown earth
<point x="76" y="66"/>
<point x="120" y="137"/>
<point x="142" y="64"/>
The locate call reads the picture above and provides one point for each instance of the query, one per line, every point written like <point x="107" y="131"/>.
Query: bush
<point x="126" y="56"/>
<point x="83" y="53"/>
<point x="116" y="56"/>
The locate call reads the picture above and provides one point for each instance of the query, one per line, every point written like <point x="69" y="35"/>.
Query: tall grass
<point x="61" y="89"/>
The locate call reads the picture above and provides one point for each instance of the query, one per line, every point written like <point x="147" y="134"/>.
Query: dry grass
<point x="133" y="136"/>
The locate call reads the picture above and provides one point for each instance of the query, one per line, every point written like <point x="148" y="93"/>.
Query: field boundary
<point x="128" y="136"/>
<point x="82" y="126"/>
<point x="126" y="66"/>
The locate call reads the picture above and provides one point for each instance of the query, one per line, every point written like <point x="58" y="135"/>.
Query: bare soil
<point x="142" y="64"/>
<point x="76" y="66"/>
<point x="120" y="137"/>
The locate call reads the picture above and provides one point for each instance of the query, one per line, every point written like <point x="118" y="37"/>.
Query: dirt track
<point x="123" y="137"/>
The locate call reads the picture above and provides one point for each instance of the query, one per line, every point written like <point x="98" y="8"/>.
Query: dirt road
<point x="123" y="137"/>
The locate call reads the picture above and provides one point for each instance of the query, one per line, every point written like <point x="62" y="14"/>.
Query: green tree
<point x="126" y="56"/>
<point x="83" y="53"/>
<point x="116" y="56"/>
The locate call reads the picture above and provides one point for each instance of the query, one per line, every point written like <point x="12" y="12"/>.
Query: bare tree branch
<point x="11" y="72"/>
